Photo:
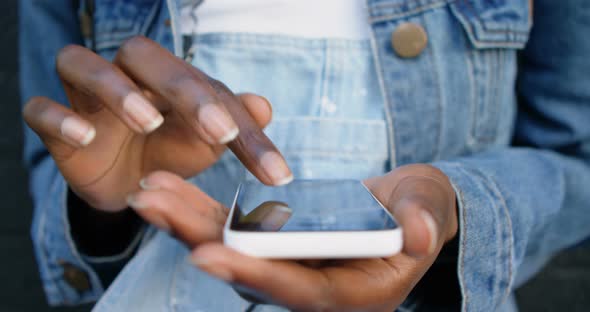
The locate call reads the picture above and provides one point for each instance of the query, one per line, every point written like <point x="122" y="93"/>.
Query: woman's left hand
<point x="419" y="196"/>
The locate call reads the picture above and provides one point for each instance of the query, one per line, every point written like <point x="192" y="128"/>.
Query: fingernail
<point x="209" y="267"/>
<point x="134" y="203"/>
<point x="155" y="219"/>
<point x="217" y="123"/>
<point x="146" y="186"/>
<point x="142" y="112"/>
<point x="276" y="168"/>
<point x="204" y="135"/>
<point x="431" y="226"/>
<point x="77" y="130"/>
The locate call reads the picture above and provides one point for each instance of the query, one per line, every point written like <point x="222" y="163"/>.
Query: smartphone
<point x="311" y="219"/>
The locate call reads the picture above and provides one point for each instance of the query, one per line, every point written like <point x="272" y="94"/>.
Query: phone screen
<point x="309" y="205"/>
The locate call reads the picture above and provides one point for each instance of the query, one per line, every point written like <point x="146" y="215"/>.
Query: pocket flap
<point x="495" y="23"/>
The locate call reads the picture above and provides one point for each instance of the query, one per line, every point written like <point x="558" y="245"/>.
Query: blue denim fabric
<point x="511" y="129"/>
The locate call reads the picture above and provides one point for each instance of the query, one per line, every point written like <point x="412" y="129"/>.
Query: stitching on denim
<point x="387" y="5"/>
<point x="149" y="18"/>
<point x="42" y="254"/>
<point x="492" y="185"/>
<point x="387" y="101"/>
<point x="110" y="35"/>
<point x="463" y="243"/>
<point x="172" y="292"/>
<point x="497" y="192"/>
<point x="480" y="21"/>
<point x="368" y="122"/>
<point x="350" y="155"/>
<point x="486" y="77"/>
<point x="470" y="60"/>
<point x="173" y="12"/>
<point x="384" y="18"/>
<point x="326" y="68"/>
<point x="440" y="119"/>
<point x="282" y="40"/>
<point x="481" y="43"/>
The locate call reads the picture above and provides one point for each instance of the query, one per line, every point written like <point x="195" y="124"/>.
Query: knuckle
<point x="218" y="86"/>
<point x="163" y="179"/>
<point x="66" y="54"/>
<point x="184" y="87"/>
<point x="35" y="107"/>
<point x="132" y="44"/>
<point x="157" y="200"/>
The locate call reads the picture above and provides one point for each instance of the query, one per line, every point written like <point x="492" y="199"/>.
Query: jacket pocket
<point x="113" y="22"/>
<point x="496" y="30"/>
<point x="495" y="23"/>
<point x="330" y="148"/>
<point x="457" y="95"/>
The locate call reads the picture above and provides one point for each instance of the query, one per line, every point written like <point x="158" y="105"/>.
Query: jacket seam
<point x="418" y="10"/>
<point x="386" y="99"/>
<point x="388" y="5"/>
<point x="480" y="21"/>
<point x="504" y="206"/>
<point x="172" y="10"/>
<point x="463" y="243"/>
<point x="492" y="186"/>
<point x="115" y="40"/>
<point x="440" y="102"/>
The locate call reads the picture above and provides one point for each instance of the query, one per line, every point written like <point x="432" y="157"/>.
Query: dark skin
<point x="136" y="122"/>
<point x="414" y="194"/>
<point x="123" y="104"/>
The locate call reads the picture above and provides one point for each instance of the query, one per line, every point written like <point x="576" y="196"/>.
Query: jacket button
<point x="409" y="40"/>
<point x="75" y="277"/>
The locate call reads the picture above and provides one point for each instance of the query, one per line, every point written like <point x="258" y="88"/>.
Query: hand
<point x="420" y="197"/>
<point x="147" y="110"/>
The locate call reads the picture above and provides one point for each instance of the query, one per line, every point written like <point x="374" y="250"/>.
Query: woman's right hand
<point x="146" y="111"/>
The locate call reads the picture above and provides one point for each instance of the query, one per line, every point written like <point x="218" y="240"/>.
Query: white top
<point x="346" y="19"/>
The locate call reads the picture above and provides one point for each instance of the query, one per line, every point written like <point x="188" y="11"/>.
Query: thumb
<point x="420" y="205"/>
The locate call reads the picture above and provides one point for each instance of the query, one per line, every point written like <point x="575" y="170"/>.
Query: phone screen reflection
<point x="309" y="205"/>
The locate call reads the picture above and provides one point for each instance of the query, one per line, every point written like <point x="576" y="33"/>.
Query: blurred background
<point x="563" y="285"/>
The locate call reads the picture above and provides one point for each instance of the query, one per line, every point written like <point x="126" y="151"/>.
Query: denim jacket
<point x="499" y="105"/>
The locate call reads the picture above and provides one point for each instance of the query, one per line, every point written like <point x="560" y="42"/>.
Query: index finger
<point x="252" y="147"/>
<point x="205" y="104"/>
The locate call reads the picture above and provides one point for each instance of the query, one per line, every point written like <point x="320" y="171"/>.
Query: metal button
<point x="75" y="277"/>
<point x="167" y="22"/>
<point x="409" y="40"/>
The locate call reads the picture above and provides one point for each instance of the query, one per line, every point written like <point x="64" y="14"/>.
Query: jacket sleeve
<point x="68" y="276"/>
<point x="519" y="205"/>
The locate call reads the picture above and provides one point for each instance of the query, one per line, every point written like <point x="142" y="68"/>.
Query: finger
<point x="252" y="147"/>
<point x="60" y="128"/>
<point x="169" y="212"/>
<point x="189" y="193"/>
<point x="174" y="80"/>
<point x="88" y="73"/>
<point x="416" y="204"/>
<point x="258" y="107"/>
<point x="284" y="282"/>
<point x="207" y="105"/>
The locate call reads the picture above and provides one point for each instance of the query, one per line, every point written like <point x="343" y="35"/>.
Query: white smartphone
<point x="311" y="219"/>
